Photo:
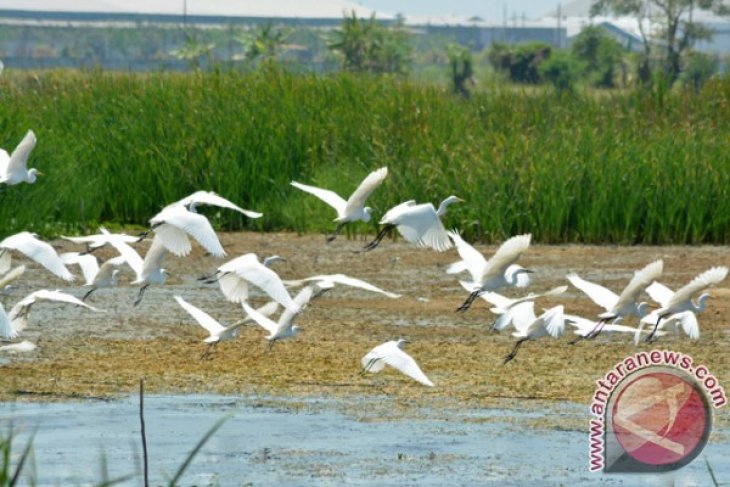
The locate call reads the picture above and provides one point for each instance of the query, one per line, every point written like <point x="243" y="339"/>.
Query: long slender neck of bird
<point x="442" y="207"/>
<point x="701" y="303"/>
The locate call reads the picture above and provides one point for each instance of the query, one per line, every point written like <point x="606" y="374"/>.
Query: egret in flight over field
<point x="354" y="208"/>
<point x="17" y="318"/>
<point x="284" y="327"/>
<point x="489" y="275"/>
<point x="682" y="300"/>
<point x="217" y="332"/>
<point x="94" y="242"/>
<point x="96" y="276"/>
<point x="148" y="271"/>
<point x="234" y="276"/>
<point x="531" y="327"/>
<point x="14" y="167"/>
<point x="618" y="307"/>
<point x="391" y="353"/>
<point x="418" y="224"/>
<point x="330" y="280"/>
<point x="506" y="307"/>
<point x="28" y="244"/>
<point x="178" y="220"/>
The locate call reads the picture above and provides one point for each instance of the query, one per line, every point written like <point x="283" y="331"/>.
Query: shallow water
<point x="269" y="441"/>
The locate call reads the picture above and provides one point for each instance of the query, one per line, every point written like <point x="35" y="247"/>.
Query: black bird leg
<point x="513" y="353"/>
<point x="383" y="232"/>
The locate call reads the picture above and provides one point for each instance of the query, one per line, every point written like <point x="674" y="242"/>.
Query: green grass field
<point x="625" y="167"/>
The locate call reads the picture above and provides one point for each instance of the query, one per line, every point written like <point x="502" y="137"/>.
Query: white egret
<point x="14" y="168"/>
<point x="682" y="300"/>
<point x="489" y="275"/>
<point x="28" y="244"/>
<point x="531" y="327"/>
<point x="96" y="276"/>
<point x="18" y="315"/>
<point x="584" y="326"/>
<point x="94" y="242"/>
<point x="506" y="307"/>
<point x="391" y="353"/>
<point x="617" y="307"/>
<point x="210" y="198"/>
<point x="151" y="271"/>
<point x="21" y="347"/>
<point x="418" y="224"/>
<point x="233" y="278"/>
<point x="284" y="327"/>
<point x="217" y="332"/>
<point x="330" y="280"/>
<point x="354" y="208"/>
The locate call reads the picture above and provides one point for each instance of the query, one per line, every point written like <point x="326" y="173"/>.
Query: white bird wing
<point x="263" y="321"/>
<point x="213" y="199"/>
<point x="12" y="275"/>
<point x="194" y="224"/>
<point x="641" y="279"/>
<point x="301" y="300"/>
<point x="233" y="287"/>
<point x="506" y="255"/>
<point x="261" y="276"/>
<point x="401" y="361"/>
<point x="420" y="225"/>
<point x="130" y="256"/>
<point x="88" y="263"/>
<point x="583" y="326"/>
<point x="708" y="278"/>
<point x="659" y="293"/>
<point x="523" y="315"/>
<point x="7" y="331"/>
<point x="472" y="260"/>
<point x="363" y="192"/>
<point x="495" y="299"/>
<point x="39" y="251"/>
<point x="396" y="211"/>
<point x="106" y="270"/>
<point x="603" y="297"/>
<point x="60" y="297"/>
<point x="153" y="258"/>
<point x="18" y="163"/>
<point x="689" y="323"/>
<point x="203" y="318"/>
<point x="554" y="321"/>
<point x="330" y="197"/>
<point x="24" y="346"/>
<point x="351" y="281"/>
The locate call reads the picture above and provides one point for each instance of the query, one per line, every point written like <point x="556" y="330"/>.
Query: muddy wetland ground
<point x="301" y="414"/>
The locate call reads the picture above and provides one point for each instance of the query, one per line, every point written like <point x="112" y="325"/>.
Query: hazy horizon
<point x="489" y="10"/>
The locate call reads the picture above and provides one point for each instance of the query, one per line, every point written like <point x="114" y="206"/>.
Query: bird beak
<point x="529" y="271"/>
<point x="40" y="173"/>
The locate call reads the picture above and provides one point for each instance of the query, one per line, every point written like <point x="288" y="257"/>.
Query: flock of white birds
<point x="419" y="224"/>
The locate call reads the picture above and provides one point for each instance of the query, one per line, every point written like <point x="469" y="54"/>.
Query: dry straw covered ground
<point x="82" y="354"/>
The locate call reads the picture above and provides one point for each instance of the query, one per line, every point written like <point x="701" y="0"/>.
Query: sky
<point x="487" y="9"/>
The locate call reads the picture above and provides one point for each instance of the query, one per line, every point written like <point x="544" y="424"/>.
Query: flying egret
<point x="14" y="168"/>
<point x="331" y="279"/>
<point x="584" y="326"/>
<point x="21" y="347"/>
<point x="284" y="327"/>
<point x="618" y="307"/>
<point x="94" y="242"/>
<point x="217" y="332"/>
<point x="354" y="208"/>
<point x="179" y="219"/>
<point x="18" y="315"/>
<point x="489" y="275"/>
<point x="210" y="198"/>
<point x="391" y="353"/>
<point x="96" y="276"/>
<point x="28" y="244"/>
<point x="418" y="224"/>
<point x="506" y="307"/>
<point x="682" y="300"/>
<point x="531" y="327"/>
<point x="151" y="271"/>
<point x="233" y="278"/>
